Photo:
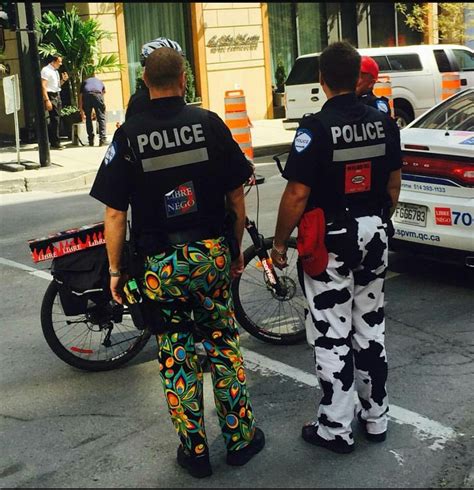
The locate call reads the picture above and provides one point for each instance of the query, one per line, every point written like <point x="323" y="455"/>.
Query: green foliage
<point x="280" y="75"/>
<point x="452" y="27"/>
<point x="69" y="109"/>
<point x="78" y="43"/>
<point x="190" y="95"/>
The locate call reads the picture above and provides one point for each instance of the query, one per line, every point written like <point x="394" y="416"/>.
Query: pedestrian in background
<point x="345" y="160"/>
<point x="178" y="167"/>
<point x="91" y="98"/>
<point x="369" y="74"/>
<point x="51" y="83"/>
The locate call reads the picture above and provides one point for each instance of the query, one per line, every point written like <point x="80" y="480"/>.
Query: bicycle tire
<point x="253" y="299"/>
<point x="81" y="360"/>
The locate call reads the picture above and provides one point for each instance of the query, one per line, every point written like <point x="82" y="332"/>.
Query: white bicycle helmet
<point x="160" y="42"/>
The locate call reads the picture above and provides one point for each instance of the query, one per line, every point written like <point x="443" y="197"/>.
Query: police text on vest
<point x="171" y="138"/>
<point x="358" y="132"/>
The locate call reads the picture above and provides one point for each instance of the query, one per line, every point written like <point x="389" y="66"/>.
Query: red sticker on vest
<point x="357" y="177"/>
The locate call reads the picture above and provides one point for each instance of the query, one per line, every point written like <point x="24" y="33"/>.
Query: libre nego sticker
<point x="181" y="200"/>
<point x="302" y="140"/>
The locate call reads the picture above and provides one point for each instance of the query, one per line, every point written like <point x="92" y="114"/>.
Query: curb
<point x="270" y="150"/>
<point x="76" y="180"/>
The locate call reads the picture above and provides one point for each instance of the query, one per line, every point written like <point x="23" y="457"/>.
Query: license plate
<point x="411" y="214"/>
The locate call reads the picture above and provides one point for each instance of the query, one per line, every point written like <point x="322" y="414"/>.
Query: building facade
<point x="230" y="46"/>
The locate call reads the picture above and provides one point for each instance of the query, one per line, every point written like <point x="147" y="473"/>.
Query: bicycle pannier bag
<point x="310" y="242"/>
<point x="81" y="276"/>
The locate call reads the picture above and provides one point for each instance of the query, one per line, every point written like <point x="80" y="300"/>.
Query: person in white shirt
<point x="51" y="83"/>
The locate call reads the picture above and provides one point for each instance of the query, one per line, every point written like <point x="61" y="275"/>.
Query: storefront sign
<point x="227" y="42"/>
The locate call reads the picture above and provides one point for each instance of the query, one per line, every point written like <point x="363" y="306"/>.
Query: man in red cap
<point x="369" y="73"/>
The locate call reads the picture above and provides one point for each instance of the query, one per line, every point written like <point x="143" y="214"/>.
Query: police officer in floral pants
<point x="345" y="160"/>
<point x="178" y="167"/>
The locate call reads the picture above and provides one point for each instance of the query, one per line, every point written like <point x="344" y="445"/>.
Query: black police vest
<point x="176" y="183"/>
<point x="355" y="171"/>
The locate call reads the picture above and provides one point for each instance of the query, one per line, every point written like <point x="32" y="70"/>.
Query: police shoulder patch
<point x="302" y="140"/>
<point x="110" y="153"/>
<point x="382" y="106"/>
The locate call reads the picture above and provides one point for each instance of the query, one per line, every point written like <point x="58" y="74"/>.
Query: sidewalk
<point x="75" y="167"/>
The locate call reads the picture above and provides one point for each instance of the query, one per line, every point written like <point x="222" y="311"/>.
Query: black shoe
<point x="103" y="143"/>
<point x="197" y="466"/>
<point x="243" y="456"/>
<point x="91" y="143"/>
<point x="338" y="445"/>
<point x="59" y="146"/>
<point x="371" y="437"/>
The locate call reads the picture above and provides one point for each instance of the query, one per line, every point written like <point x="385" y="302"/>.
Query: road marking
<point x="425" y="428"/>
<point x="26" y="268"/>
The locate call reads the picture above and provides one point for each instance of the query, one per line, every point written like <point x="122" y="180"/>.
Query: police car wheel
<point x="402" y="118"/>
<point x="265" y="315"/>
<point x="79" y="341"/>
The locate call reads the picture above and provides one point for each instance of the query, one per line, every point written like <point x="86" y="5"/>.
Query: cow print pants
<point x="346" y="328"/>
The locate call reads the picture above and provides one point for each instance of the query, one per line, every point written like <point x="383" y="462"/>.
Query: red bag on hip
<point x="310" y="243"/>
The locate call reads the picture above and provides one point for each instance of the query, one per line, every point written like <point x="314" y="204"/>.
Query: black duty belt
<point x="355" y="212"/>
<point x="53" y="94"/>
<point x="154" y="240"/>
<point x="94" y="92"/>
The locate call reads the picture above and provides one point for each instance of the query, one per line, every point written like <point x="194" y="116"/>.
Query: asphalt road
<point x="61" y="427"/>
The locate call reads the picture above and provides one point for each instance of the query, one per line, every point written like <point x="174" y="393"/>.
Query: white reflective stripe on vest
<point x="172" y="160"/>
<point x="359" y="153"/>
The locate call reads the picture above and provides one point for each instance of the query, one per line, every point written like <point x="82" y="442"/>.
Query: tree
<point x="77" y="41"/>
<point x="452" y="27"/>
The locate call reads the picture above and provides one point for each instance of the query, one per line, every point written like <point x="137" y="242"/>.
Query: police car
<point x="435" y="213"/>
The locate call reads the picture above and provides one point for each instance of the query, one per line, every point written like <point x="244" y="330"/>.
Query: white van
<point x="415" y="73"/>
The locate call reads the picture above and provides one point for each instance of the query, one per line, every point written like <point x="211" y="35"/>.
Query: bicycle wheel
<point x="91" y="341"/>
<point x="258" y="309"/>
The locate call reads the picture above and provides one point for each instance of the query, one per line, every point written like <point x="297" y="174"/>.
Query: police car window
<point x="404" y="62"/>
<point x="465" y="59"/>
<point x="305" y="70"/>
<point x="457" y="114"/>
<point x="442" y="60"/>
<point x="382" y="62"/>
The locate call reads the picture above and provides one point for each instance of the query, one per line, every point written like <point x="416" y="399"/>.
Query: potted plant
<point x="77" y="41"/>
<point x="280" y="78"/>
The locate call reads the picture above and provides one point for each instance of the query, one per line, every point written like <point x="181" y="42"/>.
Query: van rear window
<point x="404" y="62"/>
<point x="305" y="70"/>
<point x="382" y="62"/>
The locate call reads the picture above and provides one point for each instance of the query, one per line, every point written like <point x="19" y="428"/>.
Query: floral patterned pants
<point x="196" y="277"/>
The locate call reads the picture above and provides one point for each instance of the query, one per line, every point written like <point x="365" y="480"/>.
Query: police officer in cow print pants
<point x="345" y="160"/>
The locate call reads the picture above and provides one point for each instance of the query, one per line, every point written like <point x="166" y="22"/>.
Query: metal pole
<point x="15" y="117"/>
<point x="41" y="127"/>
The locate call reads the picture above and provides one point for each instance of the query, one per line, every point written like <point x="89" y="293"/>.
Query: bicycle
<point x="96" y="334"/>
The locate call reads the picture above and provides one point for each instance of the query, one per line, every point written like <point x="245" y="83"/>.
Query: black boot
<point x="243" y="456"/>
<point x="338" y="445"/>
<point x="197" y="466"/>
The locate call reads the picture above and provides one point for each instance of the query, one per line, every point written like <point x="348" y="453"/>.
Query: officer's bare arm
<point x="292" y="205"/>
<point x="115" y="230"/>
<point x="235" y="201"/>
<point x="393" y="188"/>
